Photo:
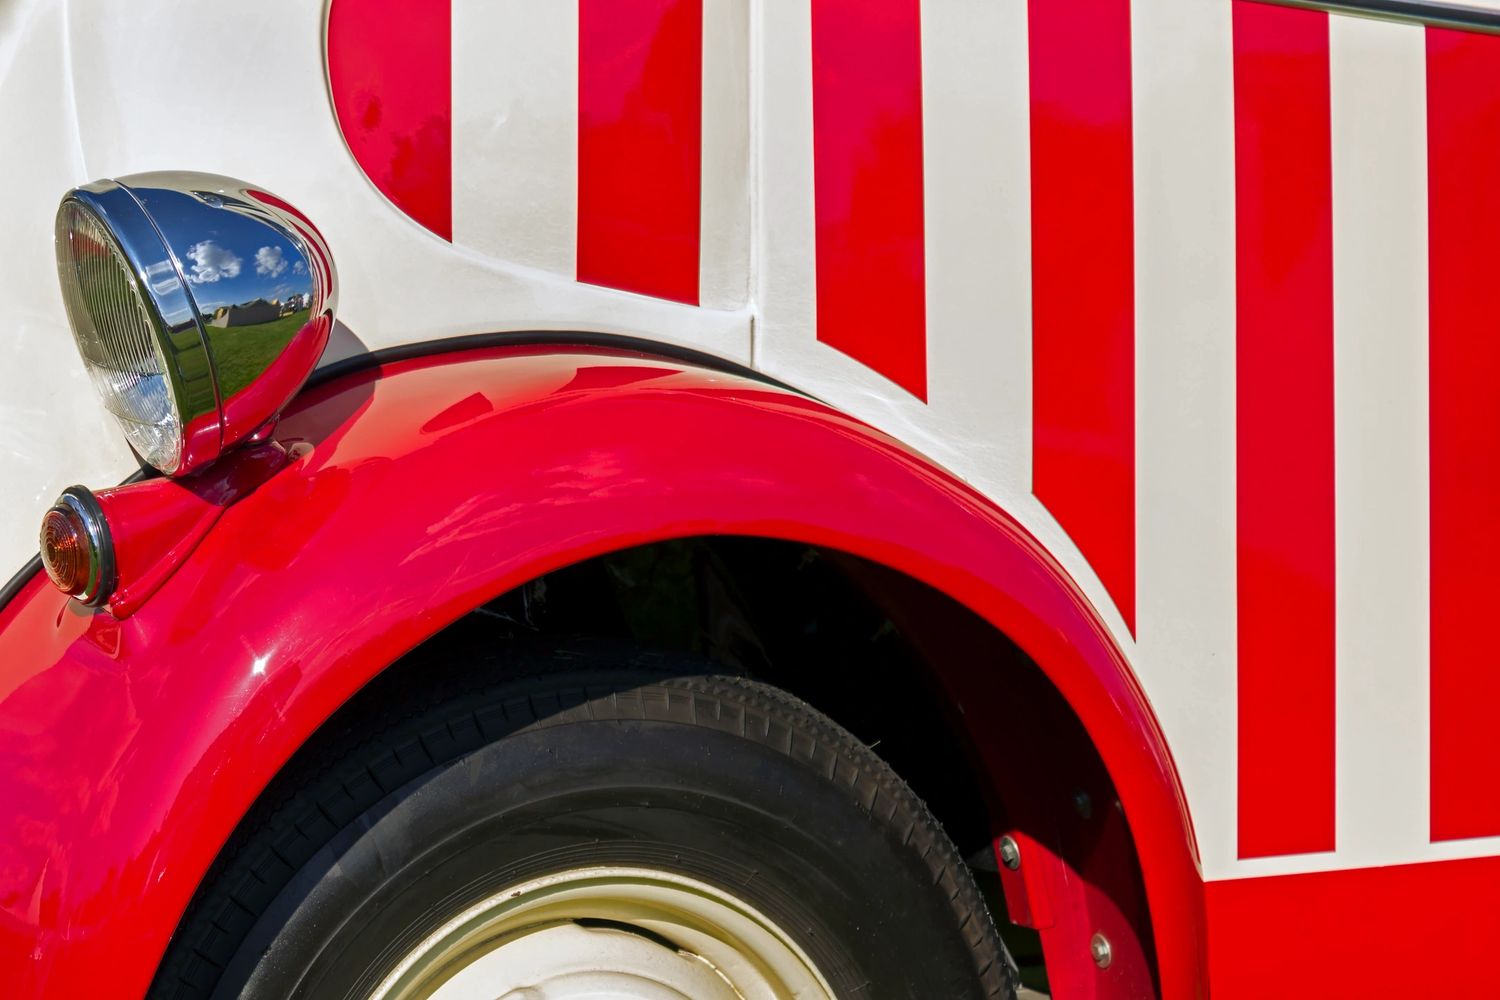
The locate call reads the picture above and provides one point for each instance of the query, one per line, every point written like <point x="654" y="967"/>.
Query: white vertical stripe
<point x="786" y="266"/>
<point x="515" y="131"/>
<point x="1183" y="89"/>
<point x="724" y="242"/>
<point x="977" y="204"/>
<point x="1379" y="118"/>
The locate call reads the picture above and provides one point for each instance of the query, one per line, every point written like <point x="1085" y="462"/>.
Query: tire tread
<point x="340" y="775"/>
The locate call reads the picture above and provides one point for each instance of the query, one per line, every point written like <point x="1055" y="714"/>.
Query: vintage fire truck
<point x="775" y="499"/>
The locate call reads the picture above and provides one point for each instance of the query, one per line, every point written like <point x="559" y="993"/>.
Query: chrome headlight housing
<point x="200" y="305"/>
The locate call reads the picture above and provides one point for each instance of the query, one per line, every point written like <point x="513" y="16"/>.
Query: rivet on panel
<point x="1010" y="853"/>
<point x="1099" y="948"/>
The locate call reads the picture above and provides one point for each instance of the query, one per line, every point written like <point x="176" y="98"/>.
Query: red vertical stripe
<point x="1463" y="123"/>
<point x="867" y="178"/>
<point x="640" y="135"/>
<point x="1083" y="282"/>
<point x="390" y="70"/>
<point x="1284" y="385"/>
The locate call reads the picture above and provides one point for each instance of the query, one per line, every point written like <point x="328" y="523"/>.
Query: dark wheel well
<point x="803" y="619"/>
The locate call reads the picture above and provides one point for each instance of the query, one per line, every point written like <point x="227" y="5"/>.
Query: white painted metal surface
<point x="1185" y="404"/>
<point x="1381" y="434"/>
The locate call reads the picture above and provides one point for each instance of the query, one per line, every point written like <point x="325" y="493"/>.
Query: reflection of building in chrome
<point x="295" y="302"/>
<point x="259" y="311"/>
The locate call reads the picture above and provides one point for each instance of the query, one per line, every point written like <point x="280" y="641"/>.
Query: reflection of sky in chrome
<point x="227" y="258"/>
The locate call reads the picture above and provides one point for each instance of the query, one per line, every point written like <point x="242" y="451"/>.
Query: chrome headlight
<point x="199" y="304"/>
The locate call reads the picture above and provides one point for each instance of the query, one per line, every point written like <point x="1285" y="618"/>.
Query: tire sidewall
<point x="741" y="814"/>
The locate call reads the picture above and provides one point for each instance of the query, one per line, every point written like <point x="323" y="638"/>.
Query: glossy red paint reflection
<point x="867" y="180"/>
<point x="155" y="524"/>
<point x="1083" y="282"/>
<point x="1326" y="922"/>
<point x="640" y="130"/>
<point x="1284" y="429"/>
<point x="1463" y="124"/>
<point x="409" y="502"/>
<point x="390" y="73"/>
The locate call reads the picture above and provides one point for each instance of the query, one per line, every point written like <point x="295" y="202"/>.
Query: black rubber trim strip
<point x="449" y="345"/>
<point x="540" y="338"/>
<point x="14" y="584"/>
<point x="1446" y="15"/>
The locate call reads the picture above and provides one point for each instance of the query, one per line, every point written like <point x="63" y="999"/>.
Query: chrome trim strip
<point x="1432" y="12"/>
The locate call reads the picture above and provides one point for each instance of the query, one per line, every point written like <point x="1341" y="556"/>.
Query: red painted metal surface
<point x="1083" y="282"/>
<point x="155" y="525"/>
<point x="1463" y="127"/>
<point x="338" y="564"/>
<point x="1321" y="935"/>
<point x="640" y="136"/>
<point x="867" y="185"/>
<point x="1078" y="873"/>
<point x="390" y="71"/>
<point x="1284" y="436"/>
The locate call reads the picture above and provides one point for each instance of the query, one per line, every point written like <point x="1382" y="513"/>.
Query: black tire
<point x="382" y="839"/>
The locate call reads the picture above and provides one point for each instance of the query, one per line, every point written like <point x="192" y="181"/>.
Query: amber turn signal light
<point x="64" y="551"/>
<point x="76" y="548"/>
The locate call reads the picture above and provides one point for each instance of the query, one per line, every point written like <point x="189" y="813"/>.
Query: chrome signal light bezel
<point x="78" y="503"/>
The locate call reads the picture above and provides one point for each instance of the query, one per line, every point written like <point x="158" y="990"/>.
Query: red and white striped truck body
<point x="1201" y="293"/>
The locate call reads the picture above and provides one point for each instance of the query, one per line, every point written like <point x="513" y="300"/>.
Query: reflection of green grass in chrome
<point x="243" y="352"/>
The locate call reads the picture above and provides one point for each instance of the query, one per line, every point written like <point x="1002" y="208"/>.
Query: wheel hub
<point x="607" y="934"/>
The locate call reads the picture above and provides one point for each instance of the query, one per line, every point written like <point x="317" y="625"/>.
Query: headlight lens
<point x="117" y="336"/>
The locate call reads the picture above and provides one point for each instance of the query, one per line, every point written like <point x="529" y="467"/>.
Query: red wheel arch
<point x="130" y="749"/>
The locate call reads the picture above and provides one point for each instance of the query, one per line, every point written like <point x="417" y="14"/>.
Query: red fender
<point x="130" y="749"/>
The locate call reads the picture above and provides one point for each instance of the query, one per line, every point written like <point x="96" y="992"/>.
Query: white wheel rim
<point x="607" y="934"/>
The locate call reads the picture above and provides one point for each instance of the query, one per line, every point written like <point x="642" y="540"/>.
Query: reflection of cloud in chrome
<point x="212" y="262"/>
<point x="161" y="276"/>
<point x="269" y="262"/>
<point x="299" y="268"/>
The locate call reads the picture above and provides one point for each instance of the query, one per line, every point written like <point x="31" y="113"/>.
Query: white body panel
<point x="1185" y="405"/>
<point x="1381" y="431"/>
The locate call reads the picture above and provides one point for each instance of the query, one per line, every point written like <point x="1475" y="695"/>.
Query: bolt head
<point x="1100" y="950"/>
<point x="1010" y="853"/>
